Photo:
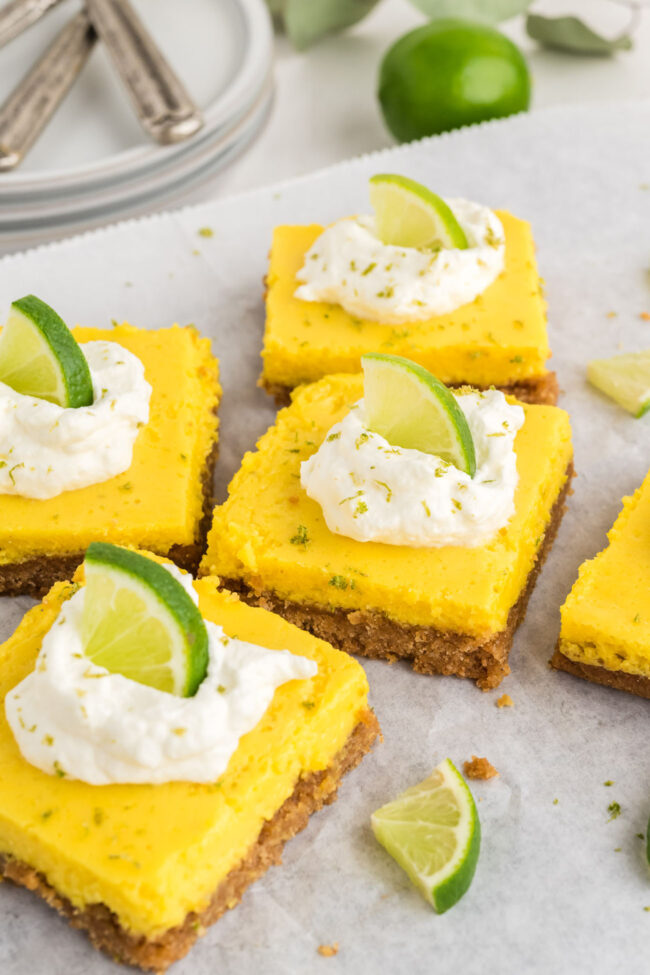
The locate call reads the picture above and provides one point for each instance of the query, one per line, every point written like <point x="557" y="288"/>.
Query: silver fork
<point x="32" y="103"/>
<point x="161" y="101"/>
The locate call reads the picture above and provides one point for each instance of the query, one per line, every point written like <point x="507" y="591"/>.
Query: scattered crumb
<point x="647" y="908"/>
<point x="617" y="849"/>
<point x="196" y="253"/>
<point x="505" y="701"/>
<point x="205" y="232"/>
<point x="479" y="768"/>
<point x="608" y="782"/>
<point x="612" y="314"/>
<point x="555" y="802"/>
<point x="645" y="315"/>
<point x="640" y="836"/>
<point x="328" y="951"/>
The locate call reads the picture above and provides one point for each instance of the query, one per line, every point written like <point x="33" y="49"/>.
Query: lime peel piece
<point x="139" y="621"/>
<point x="40" y="357"/>
<point x="408" y="214"/>
<point x="433" y="831"/>
<point x="411" y="408"/>
<point x="625" y="379"/>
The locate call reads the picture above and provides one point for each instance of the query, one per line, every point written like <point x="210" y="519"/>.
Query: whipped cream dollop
<point x="349" y="266"/>
<point x="46" y="449"/>
<point x="372" y="491"/>
<point x="74" y="719"/>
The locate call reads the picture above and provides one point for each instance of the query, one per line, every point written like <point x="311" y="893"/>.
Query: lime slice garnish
<point x="40" y="357"/>
<point x="433" y="832"/>
<point x="409" y="407"/>
<point x="625" y="379"/>
<point x="408" y="214"/>
<point x="138" y="621"/>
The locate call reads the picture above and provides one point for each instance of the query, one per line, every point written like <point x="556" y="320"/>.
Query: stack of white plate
<point x="94" y="163"/>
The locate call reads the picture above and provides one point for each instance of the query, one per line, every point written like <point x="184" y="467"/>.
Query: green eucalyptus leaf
<point x="484" y="11"/>
<point x="305" y="21"/>
<point x="573" y="35"/>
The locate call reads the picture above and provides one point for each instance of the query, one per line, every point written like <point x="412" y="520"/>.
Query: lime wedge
<point x="625" y="379"/>
<point x="433" y="832"/>
<point x="409" y="407"/>
<point x="138" y="621"/>
<point x="410" y="215"/>
<point x="40" y="357"/>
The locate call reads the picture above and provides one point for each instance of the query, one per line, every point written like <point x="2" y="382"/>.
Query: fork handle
<point x="17" y="16"/>
<point x="161" y="101"/>
<point x="32" y="103"/>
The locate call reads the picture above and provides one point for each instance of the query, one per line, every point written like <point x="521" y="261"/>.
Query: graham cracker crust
<point x="36" y="576"/>
<point x="104" y="930"/>
<point x="542" y="389"/>
<point x="369" y="633"/>
<point x="632" y="683"/>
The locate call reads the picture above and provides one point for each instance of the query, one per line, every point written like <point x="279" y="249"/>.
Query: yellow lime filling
<point x="498" y="338"/>
<point x="606" y="617"/>
<point x="158" y="502"/>
<point x="284" y="545"/>
<point x="154" y="853"/>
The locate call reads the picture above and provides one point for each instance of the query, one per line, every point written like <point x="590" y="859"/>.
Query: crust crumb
<point x="479" y="768"/>
<point x="505" y="701"/>
<point x="328" y="951"/>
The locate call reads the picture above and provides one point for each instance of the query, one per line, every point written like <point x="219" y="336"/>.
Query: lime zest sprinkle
<point x="301" y="537"/>
<point x="387" y="489"/>
<point x="340" y="582"/>
<point x="614" y="809"/>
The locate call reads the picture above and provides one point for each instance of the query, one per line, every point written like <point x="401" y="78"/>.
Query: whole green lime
<point x="450" y="73"/>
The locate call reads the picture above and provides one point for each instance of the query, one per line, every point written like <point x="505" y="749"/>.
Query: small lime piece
<point x="409" y="407"/>
<point x="410" y="215"/>
<point x="625" y="379"/>
<point x="40" y="357"/>
<point x="138" y="621"/>
<point x="433" y="832"/>
<point x="450" y="73"/>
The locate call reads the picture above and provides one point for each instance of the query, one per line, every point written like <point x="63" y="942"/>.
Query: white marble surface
<point x="559" y="889"/>
<point x="326" y="110"/>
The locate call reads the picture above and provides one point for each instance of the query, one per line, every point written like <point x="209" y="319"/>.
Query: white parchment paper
<point x="558" y="889"/>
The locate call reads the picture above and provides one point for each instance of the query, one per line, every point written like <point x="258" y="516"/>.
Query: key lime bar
<point x="499" y="339"/>
<point x="143" y="869"/>
<point x="450" y="610"/>
<point x="162" y="502"/>
<point x="605" y="633"/>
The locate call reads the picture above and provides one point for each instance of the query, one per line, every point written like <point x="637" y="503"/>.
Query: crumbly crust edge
<point x="312" y="791"/>
<point x="542" y="389"/>
<point x="622" y="681"/>
<point x="370" y="633"/>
